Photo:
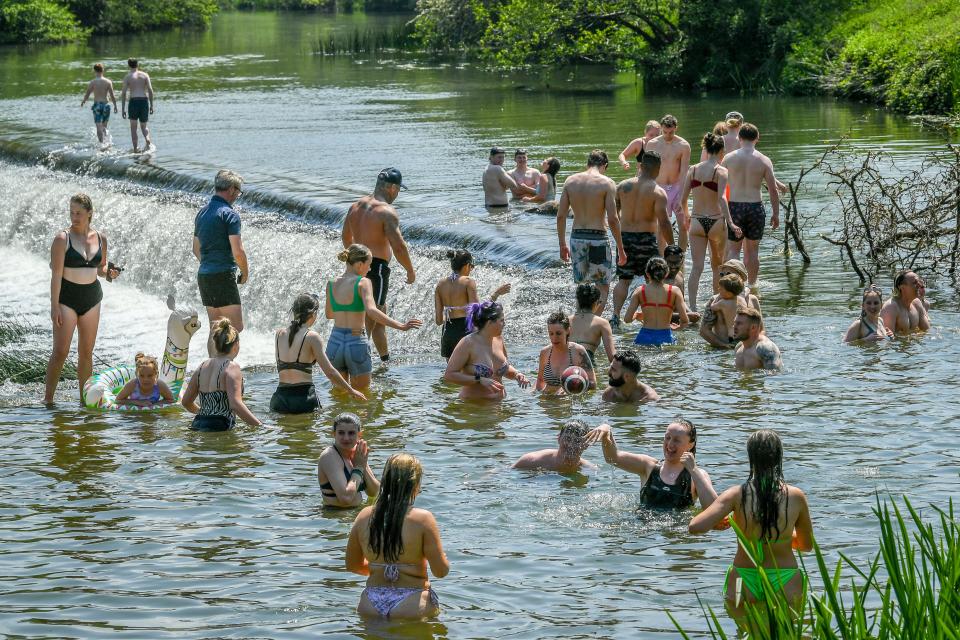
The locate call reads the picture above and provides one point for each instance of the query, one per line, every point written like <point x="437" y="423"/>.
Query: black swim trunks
<point x="750" y="217"/>
<point x="138" y="109"/>
<point x="379" y="276"/>
<point x="218" y="289"/>
<point x="453" y="332"/>
<point x="639" y="246"/>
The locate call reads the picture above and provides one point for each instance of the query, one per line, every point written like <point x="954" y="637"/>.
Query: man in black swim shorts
<point x="141" y="102"/>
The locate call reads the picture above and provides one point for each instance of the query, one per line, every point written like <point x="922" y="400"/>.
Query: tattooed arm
<point x="769" y="354"/>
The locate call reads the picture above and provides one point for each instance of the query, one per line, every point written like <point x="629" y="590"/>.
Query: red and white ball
<point x="575" y="380"/>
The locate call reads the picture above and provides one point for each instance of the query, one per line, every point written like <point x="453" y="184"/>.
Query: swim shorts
<point x="101" y="112"/>
<point x="349" y="352"/>
<point x="591" y="257"/>
<point x="295" y="398"/>
<point x="379" y="277"/>
<point x="218" y="289"/>
<point x="454" y="330"/>
<point x="138" y="109"/>
<point x="674" y="191"/>
<point x="750" y="217"/>
<point x="654" y="337"/>
<point x="639" y="246"/>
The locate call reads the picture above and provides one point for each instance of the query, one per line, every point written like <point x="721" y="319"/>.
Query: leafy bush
<point x="38" y="21"/>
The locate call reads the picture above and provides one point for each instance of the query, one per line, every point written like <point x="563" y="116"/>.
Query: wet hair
<point x="459" y="258"/>
<point x="98" y="67"/>
<point x="400" y="480"/>
<point x="732" y="283"/>
<point x="712" y="143"/>
<point x="598" y="158"/>
<point x="480" y="313"/>
<point x="668" y="121"/>
<point x="657" y="269"/>
<point x="748" y="132"/>
<point x="651" y="124"/>
<point x="898" y="280"/>
<point x="672" y="251"/>
<point x="588" y="295"/>
<point x="346" y="418"/>
<point x="751" y="313"/>
<point x="720" y="129"/>
<point x="649" y="159"/>
<point x="572" y="436"/>
<point x="691" y="431"/>
<point x="133" y="63"/>
<point x="560" y="318"/>
<point x="519" y="152"/>
<point x="553" y="166"/>
<point x="306" y="305"/>
<point x="83" y="200"/>
<point x="765" y="451"/>
<point x="224" y="335"/>
<point x="355" y="253"/>
<point x="226" y="179"/>
<point x="628" y="359"/>
<point x="142" y="361"/>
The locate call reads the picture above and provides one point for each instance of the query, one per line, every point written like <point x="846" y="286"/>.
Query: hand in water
<point x="689" y="461"/>
<point x="522" y="380"/>
<point x="411" y="324"/>
<point x="356" y="394"/>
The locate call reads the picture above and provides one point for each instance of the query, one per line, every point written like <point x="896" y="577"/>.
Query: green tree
<point x="38" y="21"/>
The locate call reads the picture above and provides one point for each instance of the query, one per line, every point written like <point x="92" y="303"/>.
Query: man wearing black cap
<point x="496" y="181"/>
<point x="373" y="222"/>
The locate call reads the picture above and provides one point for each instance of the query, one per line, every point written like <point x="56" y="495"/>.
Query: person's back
<point x="587" y="193"/>
<point x="346" y="302"/>
<point x="746" y="168"/>
<point x="102" y="89"/>
<point x="136" y="83"/>
<point x="366" y="221"/>
<point x="213" y="226"/>
<point x="454" y="295"/>
<point x="776" y="552"/>
<point x="656" y="303"/>
<point x="639" y="210"/>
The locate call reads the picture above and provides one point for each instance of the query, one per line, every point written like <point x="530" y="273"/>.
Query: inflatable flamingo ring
<point x="100" y="391"/>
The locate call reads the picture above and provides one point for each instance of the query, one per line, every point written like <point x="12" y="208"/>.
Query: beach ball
<point x="575" y="381"/>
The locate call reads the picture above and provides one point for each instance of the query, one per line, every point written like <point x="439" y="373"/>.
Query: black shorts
<point x="295" y="398"/>
<point x="218" y="289"/>
<point x="138" y="109"/>
<point x="80" y="297"/>
<point x="454" y="331"/>
<point x="379" y="276"/>
<point x="212" y="423"/>
<point x="639" y="246"/>
<point x="750" y="217"/>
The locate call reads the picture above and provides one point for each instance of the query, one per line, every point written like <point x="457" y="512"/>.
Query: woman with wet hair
<point x="392" y="543"/>
<point x="673" y="482"/>
<point x="589" y="329"/>
<point x="658" y="302"/>
<point x="78" y="259"/>
<point x="561" y="354"/>
<point x="479" y="362"/>
<point x="452" y="297"/>
<point x="869" y="326"/>
<point x="343" y="470"/>
<point x="218" y="382"/>
<point x="298" y="348"/>
<point x="774" y="517"/>
<point x="547" y="185"/>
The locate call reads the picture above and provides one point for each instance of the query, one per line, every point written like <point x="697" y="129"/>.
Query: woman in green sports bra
<point x="775" y="517"/>
<point x="349" y="301"/>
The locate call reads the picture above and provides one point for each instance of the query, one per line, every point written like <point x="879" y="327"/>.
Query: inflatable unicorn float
<point x="100" y="391"/>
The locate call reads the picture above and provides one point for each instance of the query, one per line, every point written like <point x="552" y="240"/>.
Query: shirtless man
<point x="140" y="106"/>
<point x="756" y="350"/>
<point x="643" y="208"/>
<point x="731" y="142"/>
<point x="101" y="88"/>
<point x="591" y="195"/>
<point x="496" y="181"/>
<point x="624" y="386"/>
<point x="674" y="161"/>
<point x="522" y="174"/>
<point x="566" y="457"/>
<point x="747" y="169"/>
<point x="651" y="131"/>
<point x="906" y="310"/>
<point x="373" y="222"/>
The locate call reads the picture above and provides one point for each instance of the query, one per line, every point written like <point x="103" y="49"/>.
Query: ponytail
<point x="224" y="335"/>
<point x="306" y="305"/>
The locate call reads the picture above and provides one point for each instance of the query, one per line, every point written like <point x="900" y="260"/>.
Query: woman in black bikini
<point x="343" y="471"/>
<point x="561" y="354"/>
<point x="78" y="258"/>
<point x="302" y="347"/>
<point x="711" y="215"/>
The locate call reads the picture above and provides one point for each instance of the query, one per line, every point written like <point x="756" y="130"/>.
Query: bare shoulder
<point x="601" y="323"/>
<point x="769" y="354"/>
<point x="683" y="142"/>
<point x="421" y="516"/>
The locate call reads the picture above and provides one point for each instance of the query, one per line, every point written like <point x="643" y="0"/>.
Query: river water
<point x="133" y="526"/>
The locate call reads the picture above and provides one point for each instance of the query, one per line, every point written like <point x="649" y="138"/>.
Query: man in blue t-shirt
<point x="217" y="245"/>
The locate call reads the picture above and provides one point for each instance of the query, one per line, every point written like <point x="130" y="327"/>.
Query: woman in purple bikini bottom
<point x="392" y="542"/>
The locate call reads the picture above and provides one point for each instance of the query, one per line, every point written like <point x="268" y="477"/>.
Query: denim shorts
<point x="349" y="352"/>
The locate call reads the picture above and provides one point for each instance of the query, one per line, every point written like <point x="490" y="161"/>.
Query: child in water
<point x="869" y="326"/>
<point x="725" y="305"/>
<point x="146" y="390"/>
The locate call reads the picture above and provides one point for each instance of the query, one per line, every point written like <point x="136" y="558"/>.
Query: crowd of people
<point x="649" y="220"/>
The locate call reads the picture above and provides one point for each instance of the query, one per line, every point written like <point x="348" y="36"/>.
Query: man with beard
<point x="564" y="459"/>
<point x="756" y="350"/>
<point x="624" y="386"/>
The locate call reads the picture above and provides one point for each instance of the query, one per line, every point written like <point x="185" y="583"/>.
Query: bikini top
<point x="446" y="310"/>
<point x="485" y="371"/>
<point x="391" y="570"/>
<point x="712" y="184"/>
<point x="73" y="260"/>
<point x="355" y="305"/>
<point x="640" y="153"/>
<point x="643" y="298"/>
<point x="656" y="493"/>
<point x="549" y="376"/>
<point x="327" y="489"/>
<point x="306" y="367"/>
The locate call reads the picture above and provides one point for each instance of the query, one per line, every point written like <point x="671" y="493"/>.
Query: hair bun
<point x="342" y="256"/>
<point x="140" y="356"/>
<point x="451" y="253"/>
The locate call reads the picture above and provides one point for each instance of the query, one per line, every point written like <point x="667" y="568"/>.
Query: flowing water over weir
<point x="133" y="526"/>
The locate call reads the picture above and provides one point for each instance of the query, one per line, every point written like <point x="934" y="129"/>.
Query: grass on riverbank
<point x="915" y="578"/>
<point x="24" y="364"/>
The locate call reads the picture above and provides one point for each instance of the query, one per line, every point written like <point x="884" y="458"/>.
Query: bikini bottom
<point x="386" y="599"/>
